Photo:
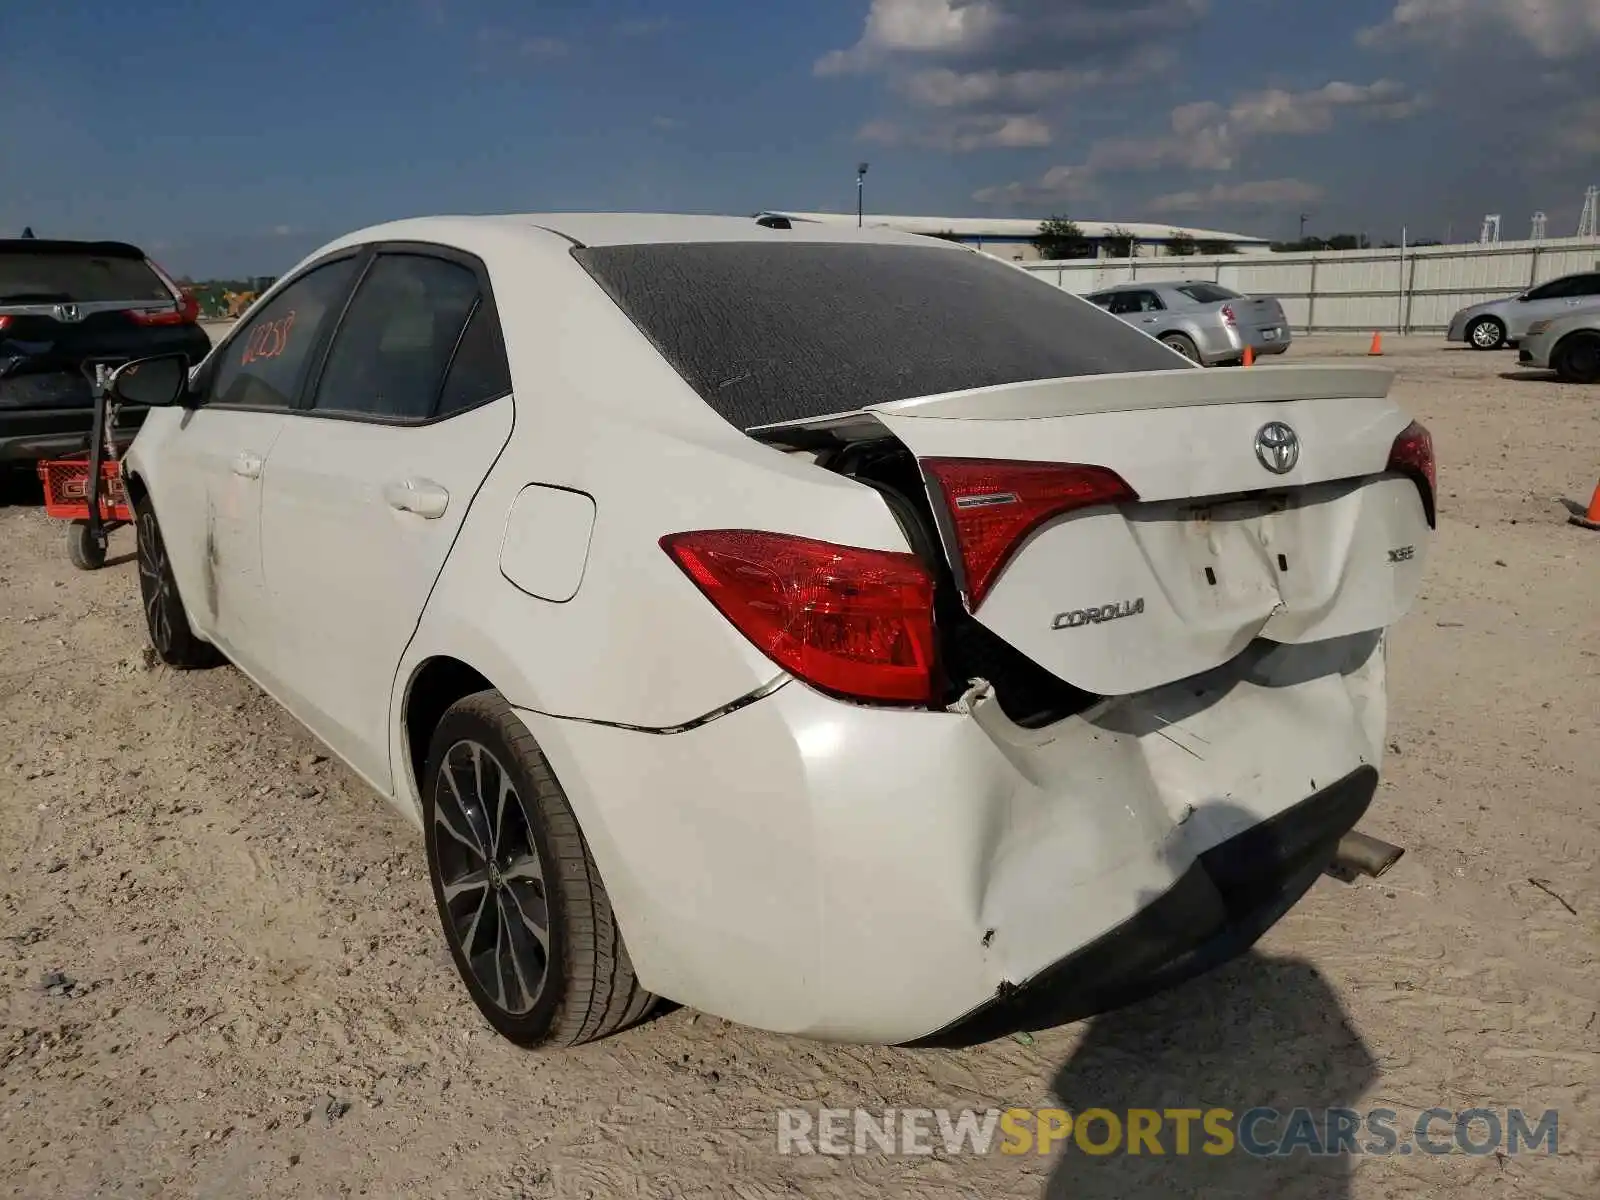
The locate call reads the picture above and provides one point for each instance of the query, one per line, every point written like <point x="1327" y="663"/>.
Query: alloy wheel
<point x="491" y="877"/>
<point x="153" y="583"/>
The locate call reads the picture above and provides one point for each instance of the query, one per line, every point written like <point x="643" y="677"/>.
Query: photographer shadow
<point x="1261" y="1031"/>
<point x="1256" y="1031"/>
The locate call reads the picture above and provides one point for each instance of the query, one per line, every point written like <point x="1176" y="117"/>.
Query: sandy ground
<point x="222" y="974"/>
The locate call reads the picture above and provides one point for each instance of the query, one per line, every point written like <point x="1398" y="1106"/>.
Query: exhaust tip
<point x="1361" y="854"/>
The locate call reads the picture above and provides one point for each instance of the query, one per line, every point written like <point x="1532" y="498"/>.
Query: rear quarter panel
<point x="598" y="412"/>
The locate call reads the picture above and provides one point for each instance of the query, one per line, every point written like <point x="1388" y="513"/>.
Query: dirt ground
<point x="222" y="974"/>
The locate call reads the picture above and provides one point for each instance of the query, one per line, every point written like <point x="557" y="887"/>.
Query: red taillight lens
<point x="187" y="312"/>
<point x="1228" y="315"/>
<point x="5" y="320"/>
<point x="992" y="505"/>
<point x="858" y="623"/>
<point x="1412" y="455"/>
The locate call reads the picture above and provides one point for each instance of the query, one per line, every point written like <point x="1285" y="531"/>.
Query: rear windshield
<point x="1208" y="293"/>
<point x="56" y="277"/>
<point x="770" y="333"/>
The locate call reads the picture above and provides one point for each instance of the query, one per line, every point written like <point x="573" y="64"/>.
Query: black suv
<point x="65" y="306"/>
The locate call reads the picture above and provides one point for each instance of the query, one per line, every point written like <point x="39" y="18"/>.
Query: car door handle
<point x="247" y="464"/>
<point x="1149" y="320"/>
<point x="421" y="496"/>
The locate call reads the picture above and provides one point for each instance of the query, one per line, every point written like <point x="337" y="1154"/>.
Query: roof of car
<point x="1147" y="284"/>
<point x="63" y="246"/>
<point x="632" y="229"/>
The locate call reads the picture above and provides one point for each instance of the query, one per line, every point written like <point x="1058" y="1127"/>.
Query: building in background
<point x="1013" y="238"/>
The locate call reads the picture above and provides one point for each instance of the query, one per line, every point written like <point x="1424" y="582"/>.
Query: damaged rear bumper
<point x="1218" y="908"/>
<point x="874" y="875"/>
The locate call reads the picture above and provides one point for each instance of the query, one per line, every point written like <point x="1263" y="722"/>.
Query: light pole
<point x="861" y="179"/>
<point x="1304" y="217"/>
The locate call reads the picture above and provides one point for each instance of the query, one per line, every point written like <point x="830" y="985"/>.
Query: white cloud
<point x="1013" y="60"/>
<point x="1256" y="194"/>
<point x="665" y="123"/>
<point x="1058" y="186"/>
<point x="915" y="27"/>
<point x="963" y="134"/>
<point x="1553" y="28"/>
<point x="1205" y="136"/>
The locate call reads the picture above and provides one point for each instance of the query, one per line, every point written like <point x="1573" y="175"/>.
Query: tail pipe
<point x="1361" y="854"/>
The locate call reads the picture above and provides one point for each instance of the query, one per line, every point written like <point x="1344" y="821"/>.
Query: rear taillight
<point x="187" y="312"/>
<point x="994" y="504"/>
<point x="1229" y="317"/>
<point x="857" y="623"/>
<point x="5" y="319"/>
<point x="1412" y="455"/>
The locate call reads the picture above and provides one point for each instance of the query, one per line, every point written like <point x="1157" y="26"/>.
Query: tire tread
<point x="603" y="995"/>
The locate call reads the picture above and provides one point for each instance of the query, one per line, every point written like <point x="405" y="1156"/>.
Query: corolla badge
<point x="1277" y="447"/>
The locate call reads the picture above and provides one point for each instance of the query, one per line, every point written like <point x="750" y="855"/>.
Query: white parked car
<point x="839" y="631"/>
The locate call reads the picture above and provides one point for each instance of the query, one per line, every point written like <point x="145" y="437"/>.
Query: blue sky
<point x="232" y="137"/>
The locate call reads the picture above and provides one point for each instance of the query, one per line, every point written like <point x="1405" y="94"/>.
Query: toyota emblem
<point x="1277" y="447"/>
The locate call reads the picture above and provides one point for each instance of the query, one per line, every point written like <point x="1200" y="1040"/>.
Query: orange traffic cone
<point x="1249" y="356"/>
<point x="1377" y="344"/>
<point x="1590" y="519"/>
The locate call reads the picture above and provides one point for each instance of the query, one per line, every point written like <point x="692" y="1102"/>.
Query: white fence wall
<point x="1355" y="290"/>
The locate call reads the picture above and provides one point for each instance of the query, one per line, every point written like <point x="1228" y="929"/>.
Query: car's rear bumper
<point x="1231" y="895"/>
<point x="1228" y="345"/>
<point x="28" y="435"/>
<point x="866" y="874"/>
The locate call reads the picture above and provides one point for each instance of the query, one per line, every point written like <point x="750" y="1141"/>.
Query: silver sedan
<point x="1569" y="345"/>
<point x="1203" y="321"/>
<point x="1497" y="323"/>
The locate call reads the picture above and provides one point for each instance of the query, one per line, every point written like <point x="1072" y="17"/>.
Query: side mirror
<point x="159" y="382"/>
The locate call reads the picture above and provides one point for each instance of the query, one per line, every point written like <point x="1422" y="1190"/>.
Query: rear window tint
<point x="1208" y="293"/>
<point x="57" y="278"/>
<point x="769" y="333"/>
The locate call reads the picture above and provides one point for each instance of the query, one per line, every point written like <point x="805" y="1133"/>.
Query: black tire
<point x="496" y="873"/>
<point x="164" y="616"/>
<point x="1183" y="344"/>
<point x="85" y="553"/>
<point x="1486" y="333"/>
<point x="1577" y="358"/>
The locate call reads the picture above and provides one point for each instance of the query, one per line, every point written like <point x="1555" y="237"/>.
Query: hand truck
<point x="88" y="491"/>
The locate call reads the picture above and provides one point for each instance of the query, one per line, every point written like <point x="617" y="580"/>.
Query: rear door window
<point x="264" y="363"/>
<point x="77" y="277"/>
<point x="769" y="333"/>
<point x="394" y="346"/>
<point x="1124" y="303"/>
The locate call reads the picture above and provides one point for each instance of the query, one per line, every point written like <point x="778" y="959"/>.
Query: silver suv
<point x="1203" y="321"/>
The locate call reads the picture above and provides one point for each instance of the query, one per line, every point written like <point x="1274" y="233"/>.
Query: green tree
<point x="1181" y="244"/>
<point x="1059" y="237"/>
<point x="1216" y="246"/>
<point x="1119" y="242"/>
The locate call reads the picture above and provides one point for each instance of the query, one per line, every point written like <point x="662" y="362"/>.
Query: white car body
<point x="775" y="854"/>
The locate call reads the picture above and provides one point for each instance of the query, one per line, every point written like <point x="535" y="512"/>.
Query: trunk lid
<point x="1218" y="548"/>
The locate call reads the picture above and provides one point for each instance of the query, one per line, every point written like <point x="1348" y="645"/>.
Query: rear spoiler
<point x="1081" y="395"/>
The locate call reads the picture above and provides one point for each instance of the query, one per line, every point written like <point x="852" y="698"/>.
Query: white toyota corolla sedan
<point x="842" y="632"/>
